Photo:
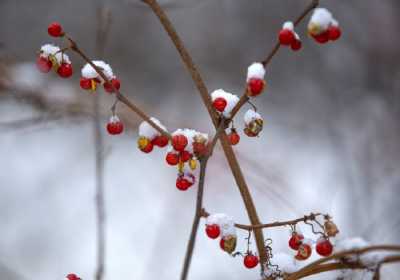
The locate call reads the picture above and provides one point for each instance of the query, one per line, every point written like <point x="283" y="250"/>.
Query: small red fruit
<point x="304" y="252"/>
<point x="250" y="261"/>
<point x="43" y="64"/>
<point x="233" y="137"/>
<point x="256" y="86"/>
<point x="148" y="148"/>
<point x="65" y="70"/>
<point x="322" y="38"/>
<point x="115" y="126"/>
<point x="185" y="156"/>
<point x="72" y="276"/>
<point x="179" y="142"/>
<point x="85" y="83"/>
<point x="55" y="29"/>
<point x="182" y="184"/>
<point x="213" y="231"/>
<point x="334" y="32"/>
<point x="324" y="247"/>
<point x="160" y="141"/>
<point x="286" y="37"/>
<point x="296" y="240"/>
<point x="296" y="45"/>
<point x="220" y="104"/>
<point x="222" y="244"/>
<point x="172" y="158"/>
<point x="108" y="87"/>
<point x="199" y="148"/>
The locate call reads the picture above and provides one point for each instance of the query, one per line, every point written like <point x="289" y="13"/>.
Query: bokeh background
<point x="331" y="142"/>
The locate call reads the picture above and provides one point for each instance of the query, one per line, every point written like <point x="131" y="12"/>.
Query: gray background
<point x="330" y="143"/>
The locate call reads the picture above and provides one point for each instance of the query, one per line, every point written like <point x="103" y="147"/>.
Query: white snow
<point x="49" y="49"/>
<point x="251" y="115"/>
<point x="288" y="25"/>
<point x="114" y="119"/>
<point x="146" y="130"/>
<point x="287" y="263"/>
<point x="225" y="223"/>
<point x="255" y="71"/>
<point x="88" y="71"/>
<point x="321" y="18"/>
<point x="190" y="134"/>
<point x="230" y="98"/>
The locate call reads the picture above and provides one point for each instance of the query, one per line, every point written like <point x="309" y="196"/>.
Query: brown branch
<point x="130" y="104"/>
<point x="231" y="157"/>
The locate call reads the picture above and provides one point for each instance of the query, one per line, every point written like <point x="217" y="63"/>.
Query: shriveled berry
<point x="324" y="247"/>
<point x="172" y="158"/>
<point x="286" y="37"/>
<point x="256" y="86"/>
<point x="213" y="231"/>
<point x="55" y="29"/>
<point x="43" y="64"/>
<point x="219" y="104"/>
<point x="179" y="142"/>
<point x="65" y="70"/>
<point x="250" y="261"/>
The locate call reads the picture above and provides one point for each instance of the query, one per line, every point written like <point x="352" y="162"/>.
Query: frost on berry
<point x="230" y="99"/>
<point x="253" y="123"/>
<point x="114" y="125"/>
<point x="323" y="26"/>
<point x="287" y="34"/>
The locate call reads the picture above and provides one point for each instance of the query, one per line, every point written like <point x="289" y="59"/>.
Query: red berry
<point x="304" y="252"/>
<point x="148" y="148"/>
<point x="322" y="38"/>
<point x="43" y="64"/>
<point x="296" y="45"/>
<point x="222" y="244"/>
<point x="172" y="158"/>
<point x="213" y="231"/>
<point x="334" y="32"/>
<point x="115" y="126"/>
<point x="179" y="142"/>
<point x="108" y="87"/>
<point x="182" y="184"/>
<point x="72" y="276"/>
<point x="160" y="141"/>
<point x="250" y="261"/>
<point x="233" y="137"/>
<point x="296" y="240"/>
<point x="85" y="83"/>
<point x="324" y="247"/>
<point x="286" y="37"/>
<point x="220" y="104"/>
<point x="185" y="156"/>
<point x="65" y="70"/>
<point x="199" y="148"/>
<point x="255" y="86"/>
<point x="55" y="29"/>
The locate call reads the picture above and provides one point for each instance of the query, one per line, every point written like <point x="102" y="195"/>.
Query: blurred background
<point x="331" y="142"/>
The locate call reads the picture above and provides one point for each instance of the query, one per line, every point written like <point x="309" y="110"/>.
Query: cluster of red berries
<point x="304" y="250"/>
<point x="72" y="276"/>
<point x="288" y="37"/>
<point x="331" y="34"/>
<point x="90" y="78"/>
<point x="146" y="145"/>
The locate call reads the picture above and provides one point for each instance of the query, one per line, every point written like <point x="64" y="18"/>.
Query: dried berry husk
<point x="229" y="244"/>
<point x="330" y="228"/>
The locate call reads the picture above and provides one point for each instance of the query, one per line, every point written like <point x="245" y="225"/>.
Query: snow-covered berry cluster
<point x="90" y="78"/>
<point x="52" y="57"/>
<point x="224" y="101"/>
<point x="303" y="246"/>
<point x="253" y="123"/>
<point x="289" y="37"/>
<point x="223" y="226"/>
<point x="150" y="137"/>
<point x="323" y="27"/>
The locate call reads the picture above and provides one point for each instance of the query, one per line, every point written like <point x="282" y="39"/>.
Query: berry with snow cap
<point x="253" y="123"/>
<point x="52" y="56"/>
<point x="152" y="136"/>
<point x="213" y="231"/>
<point x="200" y="144"/>
<point x="231" y="100"/>
<point x="115" y="126"/>
<point x="287" y="34"/>
<point x="324" y="247"/>
<point x="54" y="29"/>
<point x="250" y="261"/>
<point x="323" y="27"/>
<point x="255" y="79"/>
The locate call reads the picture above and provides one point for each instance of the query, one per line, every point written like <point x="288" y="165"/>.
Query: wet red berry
<point x="160" y="141"/>
<point x="286" y="37"/>
<point x="179" y="142"/>
<point x="85" y="83"/>
<point x="185" y="156"/>
<point x="256" y="86"/>
<point x="324" y="247"/>
<point x="55" y="29"/>
<point x="43" y="64"/>
<point x="115" y="126"/>
<point x="334" y="32"/>
<point x="172" y="158"/>
<point x="233" y="137"/>
<point x="213" y="231"/>
<point x="219" y="104"/>
<point x="296" y="45"/>
<point x="182" y="183"/>
<point x="250" y="261"/>
<point x="65" y="70"/>
<point x="295" y="240"/>
<point x="322" y="38"/>
<point x="108" y="87"/>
